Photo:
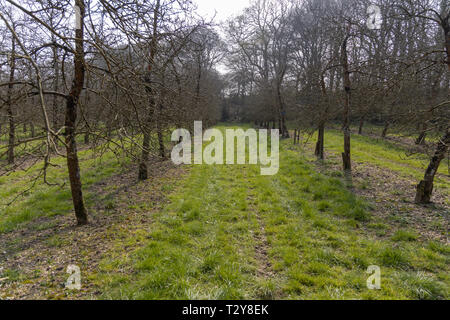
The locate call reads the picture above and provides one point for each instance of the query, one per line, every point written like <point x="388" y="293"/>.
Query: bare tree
<point x="71" y="117"/>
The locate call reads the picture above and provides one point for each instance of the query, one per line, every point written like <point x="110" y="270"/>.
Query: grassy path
<point x="230" y="233"/>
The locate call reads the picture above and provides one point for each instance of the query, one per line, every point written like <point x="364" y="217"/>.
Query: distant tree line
<point x="313" y="62"/>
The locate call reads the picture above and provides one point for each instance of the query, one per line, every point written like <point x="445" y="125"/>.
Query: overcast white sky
<point x="224" y="8"/>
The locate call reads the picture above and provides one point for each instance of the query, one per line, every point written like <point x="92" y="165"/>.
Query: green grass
<point x="206" y="244"/>
<point x="19" y="133"/>
<point x="45" y="200"/>
<point x="385" y="154"/>
<point x="404" y="235"/>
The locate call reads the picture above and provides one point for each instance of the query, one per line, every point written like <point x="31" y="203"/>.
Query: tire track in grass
<point x="199" y="245"/>
<point x="261" y="245"/>
<point x="261" y="249"/>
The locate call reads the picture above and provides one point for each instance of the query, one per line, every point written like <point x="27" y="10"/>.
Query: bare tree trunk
<point x="425" y="187"/>
<point x="9" y="107"/>
<point x="283" y="128"/>
<point x="389" y="121"/>
<point x="33" y="132"/>
<point x="70" y="121"/>
<point x="12" y="135"/>
<point x="320" y="145"/>
<point x="346" y="155"/>
<point x="159" y="118"/>
<point x="162" y="149"/>
<point x="385" y="129"/>
<point x="320" y="141"/>
<point x="143" y="169"/>
<point x="423" y="134"/>
<point x="55" y="87"/>
<point x="446" y="27"/>
<point x="361" y="124"/>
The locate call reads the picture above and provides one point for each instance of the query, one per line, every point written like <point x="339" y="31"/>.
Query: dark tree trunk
<point x="55" y="87"/>
<point x="385" y="129"/>
<point x="347" y="147"/>
<point x="423" y="134"/>
<point x="425" y="187"/>
<point x="160" y="118"/>
<point x="446" y="27"/>
<point x="320" y="145"/>
<point x="70" y="123"/>
<point x="281" y="113"/>
<point x="297" y="136"/>
<point x="33" y="131"/>
<point x="12" y="135"/>
<point x="361" y="124"/>
<point x="346" y="155"/>
<point x="162" y="149"/>
<point x="389" y="121"/>
<point x="320" y="142"/>
<point x="143" y="169"/>
<point x="9" y="107"/>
